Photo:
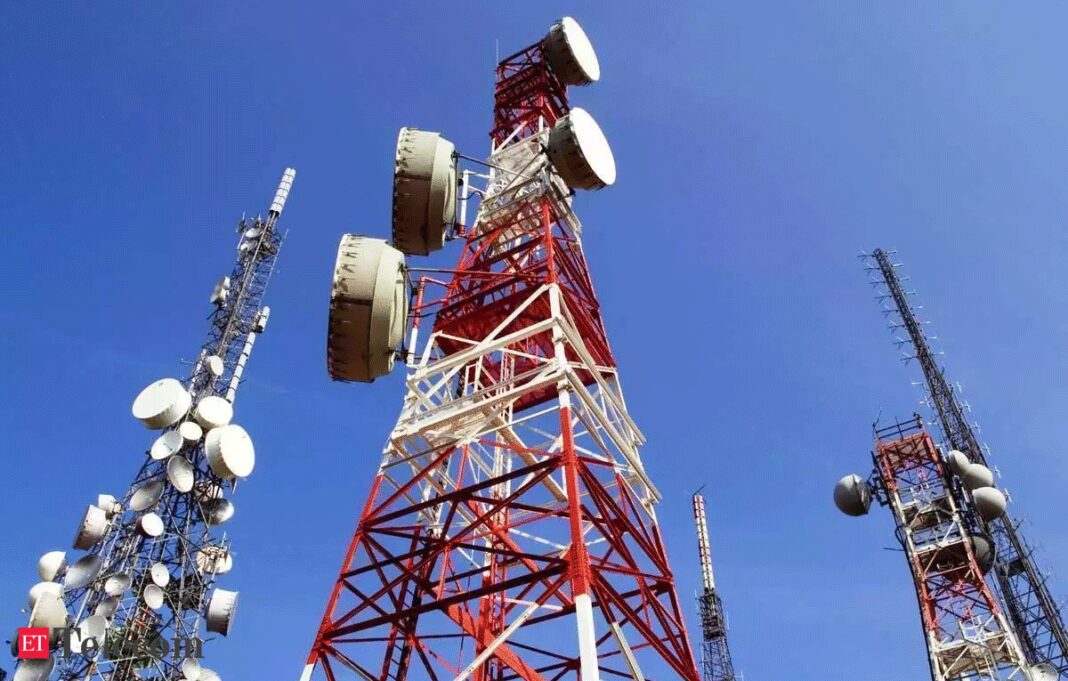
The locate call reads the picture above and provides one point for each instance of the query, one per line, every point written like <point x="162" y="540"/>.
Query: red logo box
<point x="33" y="643"/>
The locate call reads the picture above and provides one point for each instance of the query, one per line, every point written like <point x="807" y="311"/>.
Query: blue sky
<point x="760" y="147"/>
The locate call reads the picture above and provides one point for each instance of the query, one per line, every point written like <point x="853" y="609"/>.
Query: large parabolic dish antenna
<point x="570" y="53"/>
<point x="368" y="309"/>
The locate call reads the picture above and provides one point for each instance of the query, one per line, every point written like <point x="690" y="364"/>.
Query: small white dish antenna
<point x="215" y="560"/>
<point x="217" y="511"/>
<point x="976" y="475"/>
<point x="580" y="153"/>
<point x="215" y="365"/>
<point x="162" y="403"/>
<point x="146" y="496"/>
<point x="109" y="503"/>
<point x="117" y="584"/>
<point x="180" y="474"/>
<point x="34" y="670"/>
<point x="165" y="445"/>
<point x="82" y="571"/>
<point x="94" y="626"/>
<point x="221" y="608"/>
<point x="150" y="525"/>
<point x="159" y="574"/>
<point x="221" y="292"/>
<point x="230" y="452"/>
<point x="191" y="432"/>
<point x="368" y="309"/>
<point x="107" y="607"/>
<point x="42" y="588"/>
<point x="92" y="529"/>
<point x="989" y="502"/>
<point x="51" y="564"/>
<point x="153" y="596"/>
<point x="570" y="53"/>
<point x="191" y="669"/>
<point x="49" y="611"/>
<point x="424" y="191"/>
<point x="213" y="412"/>
<point x="208" y="675"/>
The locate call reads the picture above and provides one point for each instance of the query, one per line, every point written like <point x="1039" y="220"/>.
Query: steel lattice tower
<point x="125" y="562"/>
<point x="716" y="664"/>
<point x="1031" y="608"/>
<point x="510" y="530"/>
<point x="965" y="630"/>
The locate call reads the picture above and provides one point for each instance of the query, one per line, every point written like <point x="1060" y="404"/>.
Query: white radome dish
<point x="180" y="474"/>
<point x="34" y="670"/>
<point x="117" y="584"/>
<point x="214" y="560"/>
<point x="208" y="675"/>
<point x="146" y="496"/>
<point x="153" y="596"/>
<point x="109" y="503"/>
<point x="215" y="365"/>
<point x="976" y="475"/>
<point x="150" y="525"/>
<point x="49" y="611"/>
<point x="368" y="309"/>
<point x="162" y="403"/>
<point x="191" y="432"/>
<point x="82" y="571"/>
<point x="213" y="412"/>
<point x="40" y="589"/>
<point x="424" y="191"/>
<point x="230" y="452"/>
<point x="107" y="606"/>
<point x="51" y="564"/>
<point x="92" y="529"/>
<point x="570" y="53"/>
<point x="221" y="608"/>
<point x="957" y="460"/>
<point x="159" y="574"/>
<point x="990" y="503"/>
<point x="191" y="669"/>
<point x="580" y="152"/>
<point x="166" y="445"/>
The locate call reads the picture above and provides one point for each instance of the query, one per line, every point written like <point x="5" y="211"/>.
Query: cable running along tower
<point x="143" y="594"/>
<point x="510" y="530"/>
<point x="1032" y="610"/>
<point x="716" y="664"/>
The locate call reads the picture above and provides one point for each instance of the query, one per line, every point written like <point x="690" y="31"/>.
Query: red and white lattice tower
<point x="510" y="530"/>
<point x="937" y="515"/>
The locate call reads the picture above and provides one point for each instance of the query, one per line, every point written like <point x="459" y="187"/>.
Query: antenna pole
<point x="716" y="663"/>
<point x="1032" y="610"/>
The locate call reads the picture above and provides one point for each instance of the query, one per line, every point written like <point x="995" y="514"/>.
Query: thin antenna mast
<point x="1032" y="610"/>
<point x="716" y="664"/>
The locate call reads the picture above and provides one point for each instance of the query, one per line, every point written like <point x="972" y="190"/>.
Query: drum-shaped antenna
<point x="117" y="584"/>
<point x="107" y="607"/>
<point x="191" y="432"/>
<point x="424" y="191"/>
<point x="230" y="452"/>
<point x="167" y="444"/>
<point x="580" y="153"/>
<point x="976" y="475"/>
<point x="958" y="461"/>
<point x="82" y="571"/>
<point x="159" y="574"/>
<point x="989" y="502"/>
<point x="191" y="669"/>
<point x="221" y="608"/>
<point x="51" y="564"/>
<point x="852" y="495"/>
<point x="92" y="529"/>
<point x="33" y="670"/>
<point x="180" y="474"/>
<point x="217" y="511"/>
<point x="150" y="525"/>
<point x="213" y="412"/>
<point x="162" y="403"/>
<point x="153" y="596"/>
<point x="216" y="560"/>
<point x="570" y="54"/>
<point x="146" y="496"/>
<point x="43" y="588"/>
<point x="368" y="309"/>
<point x="48" y="611"/>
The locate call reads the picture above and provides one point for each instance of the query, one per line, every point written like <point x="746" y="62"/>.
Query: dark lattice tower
<point x="716" y="664"/>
